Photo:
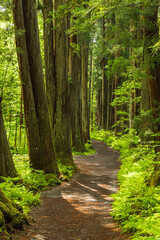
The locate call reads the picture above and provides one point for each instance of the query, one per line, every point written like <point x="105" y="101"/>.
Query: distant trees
<point x="131" y="69"/>
<point x="130" y="57"/>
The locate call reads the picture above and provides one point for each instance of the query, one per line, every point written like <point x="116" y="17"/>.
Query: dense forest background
<point x="71" y="71"/>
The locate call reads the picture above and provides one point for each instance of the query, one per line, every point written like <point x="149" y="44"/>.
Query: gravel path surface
<point x="79" y="209"/>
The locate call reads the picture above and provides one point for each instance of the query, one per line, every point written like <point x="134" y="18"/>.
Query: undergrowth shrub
<point x="136" y="205"/>
<point x="66" y="171"/>
<point x="19" y="194"/>
<point x="33" y="179"/>
<point x="88" y="150"/>
<point x="24" y="190"/>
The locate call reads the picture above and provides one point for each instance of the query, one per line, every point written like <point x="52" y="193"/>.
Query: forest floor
<point x="79" y="209"/>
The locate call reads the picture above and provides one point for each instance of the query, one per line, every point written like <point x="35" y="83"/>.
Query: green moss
<point x="2" y="221"/>
<point x="6" y="211"/>
<point x="9" y="213"/>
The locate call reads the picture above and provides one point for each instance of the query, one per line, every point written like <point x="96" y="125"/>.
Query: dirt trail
<point x="79" y="210"/>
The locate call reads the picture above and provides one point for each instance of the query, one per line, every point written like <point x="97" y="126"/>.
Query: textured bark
<point x="104" y="98"/>
<point x="85" y="128"/>
<point x="99" y="109"/>
<point x="7" y="168"/>
<point x="116" y="76"/>
<point x="40" y="143"/>
<point x="62" y="127"/>
<point x="104" y="79"/>
<point x="75" y="73"/>
<point x="109" y="108"/>
<point x="49" y="60"/>
<point x="90" y="91"/>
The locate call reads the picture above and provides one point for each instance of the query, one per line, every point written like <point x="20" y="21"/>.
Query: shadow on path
<point x="80" y="209"/>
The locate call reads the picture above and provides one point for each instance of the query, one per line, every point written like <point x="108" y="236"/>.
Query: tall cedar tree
<point x="84" y="86"/>
<point x="75" y="74"/>
<point x="49" y="58"/>
<point x="40" y="141"/>
<point x="62" y="126"/>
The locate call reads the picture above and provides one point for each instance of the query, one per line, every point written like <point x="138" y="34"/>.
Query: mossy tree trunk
<point x="62" y="126"/>
<point x="40" y="141"/>
<point x="10" y="215"/>
<point x="7" y="168"/>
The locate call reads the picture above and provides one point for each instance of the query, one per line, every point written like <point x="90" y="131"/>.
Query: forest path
<point x="79" y="209"/>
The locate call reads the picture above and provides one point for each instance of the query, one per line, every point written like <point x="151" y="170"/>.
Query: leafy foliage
<point x="136" y="205"/>
<point x="24" y="189"/>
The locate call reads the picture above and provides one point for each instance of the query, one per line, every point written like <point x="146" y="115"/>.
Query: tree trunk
<point x="7" y="168"/>
<point x="104" y="99"/>
<point x="21" y="118"/>
<point x="62" y="127"/>
<point x="145" y="98"/>
<point x="104" y="83"/>
<point x="85" y="129"/>
<point x="49" y="60"/>
<point x="75" y="73"/>
<point x="90" y="91"/>
<point x="116" y="80"/>
<point x="40" y="142"/>
<point x="145" y="102"/>
<point x="109" y="108"/>
<point x="9" y="214"/>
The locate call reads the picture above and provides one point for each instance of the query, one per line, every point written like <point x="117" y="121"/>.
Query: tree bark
<point x="62" y="127"/>
<point x="85" y="128"/>
<point x="90" y="91"/>
<point x="104" y="82"/>
<point x="49" y="58"/>
<point x="75" y="73"/>
<point x="40" y="142"/>
<point x="7" y="168"/>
